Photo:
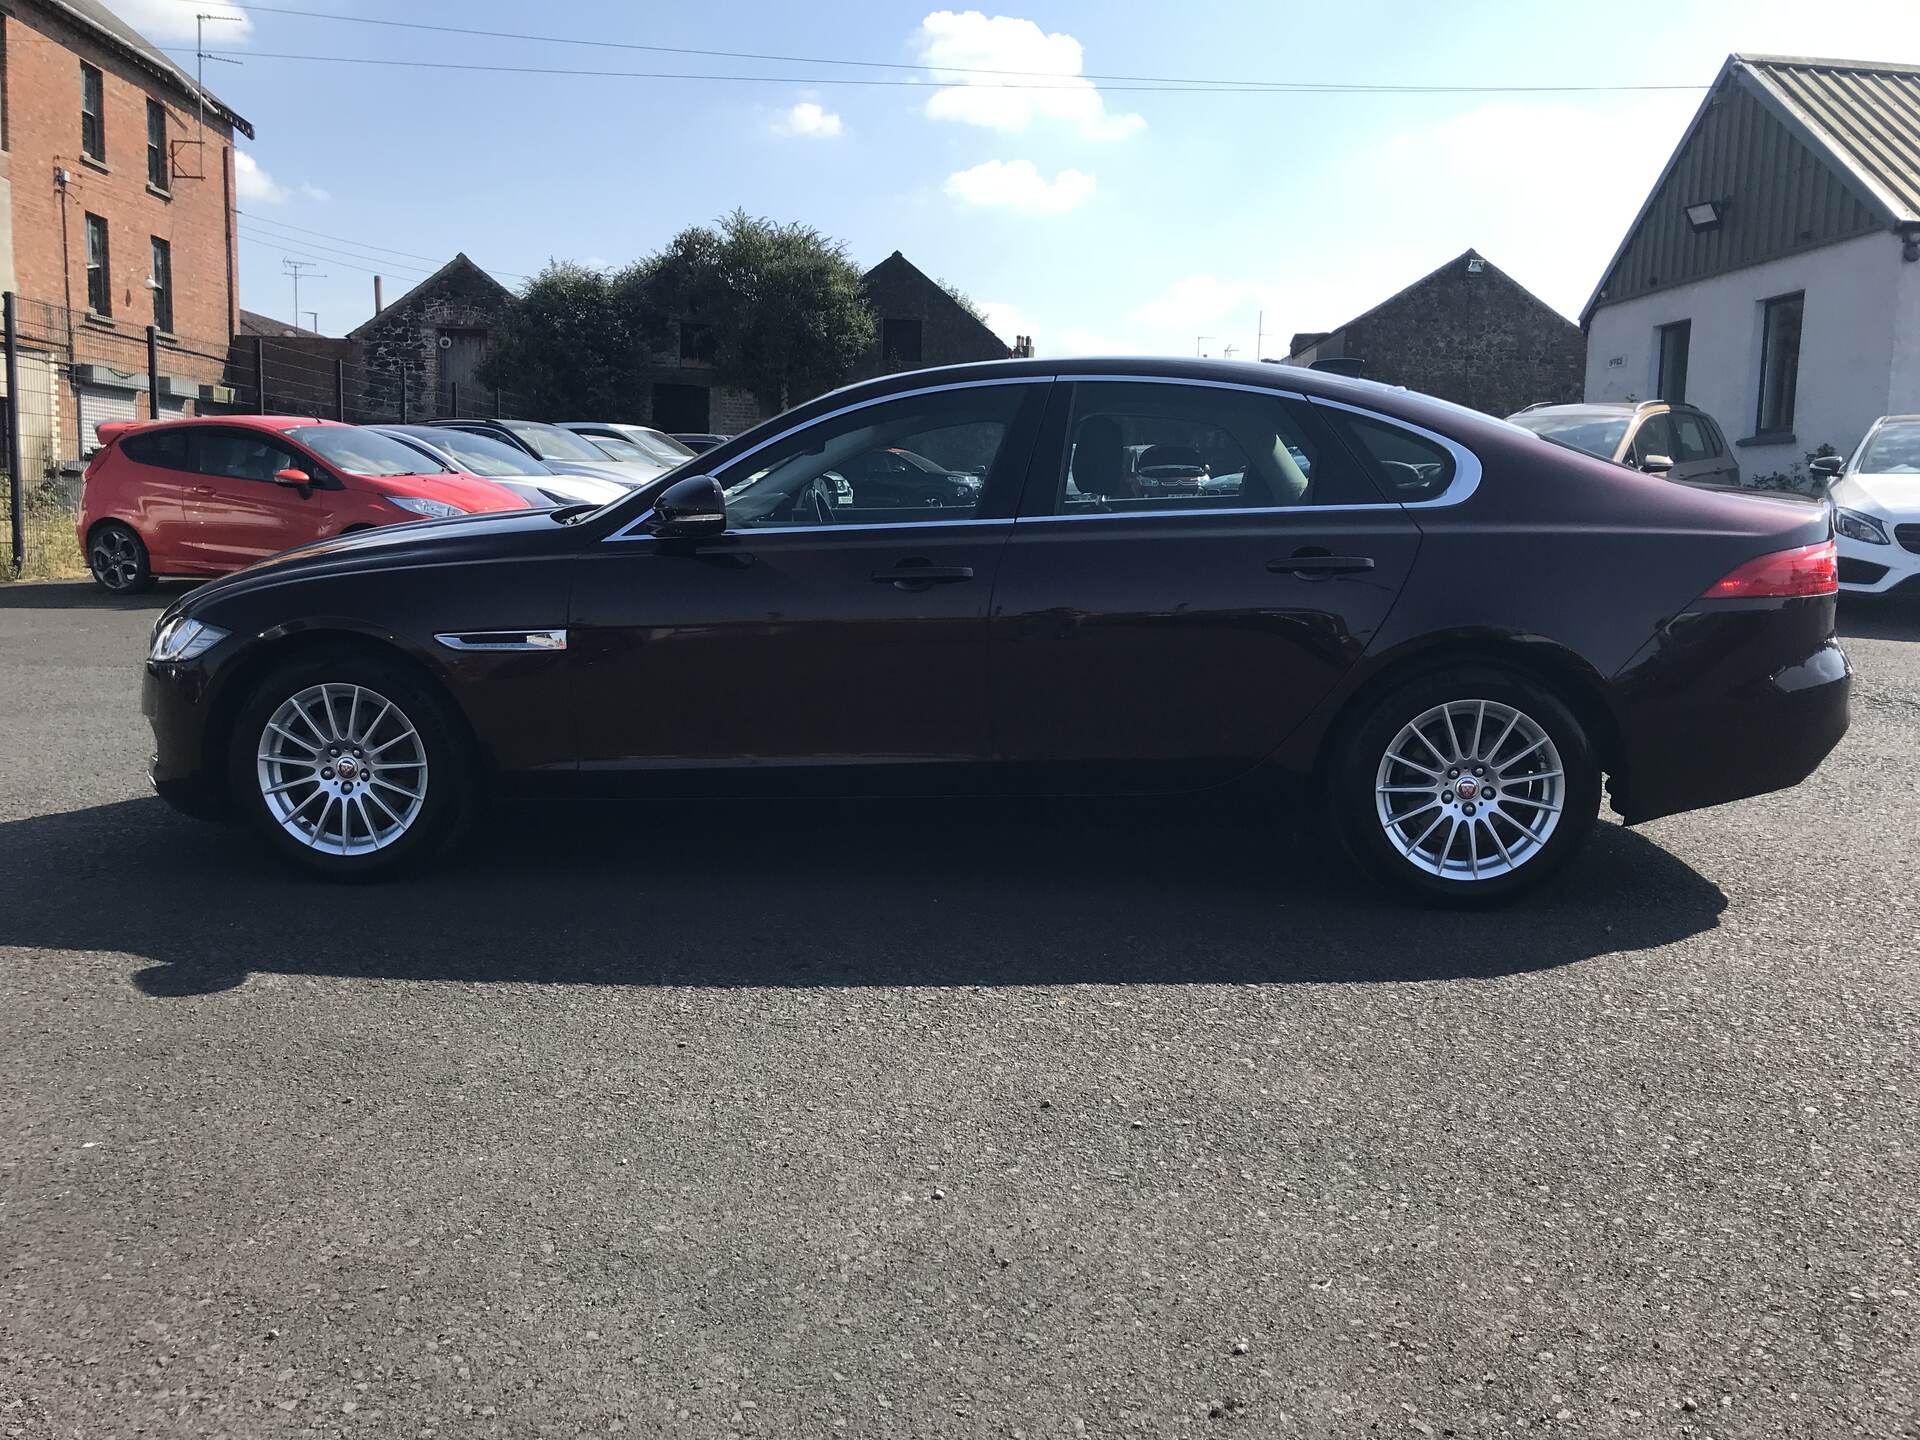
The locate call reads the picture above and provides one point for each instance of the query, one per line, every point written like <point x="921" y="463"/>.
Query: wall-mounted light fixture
<point x="1706" y="215"/>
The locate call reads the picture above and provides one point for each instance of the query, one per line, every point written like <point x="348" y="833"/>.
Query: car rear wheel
<point x="118" y="559"/>
<point x="1467" y="787"/>
<point x="349" y="766"/>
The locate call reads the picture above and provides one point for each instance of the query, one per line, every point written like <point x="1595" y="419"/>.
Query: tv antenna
<point x="294" y="268"/>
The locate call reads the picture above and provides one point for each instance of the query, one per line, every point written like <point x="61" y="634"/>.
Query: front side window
<point x="363" y="452"/>
<point x="161" y="282"/>
<point x="1675" y="340"/>
<point x="836" y="472"/>
<point x="1779" y="362"/>
<point x="244" y="455"/>
<point x="1654" y="437"/>
<point x="93" y="122"/>
<point x="99" y="286"/>
<point x="1134" y="446"/>
<point x="156" y="145"/>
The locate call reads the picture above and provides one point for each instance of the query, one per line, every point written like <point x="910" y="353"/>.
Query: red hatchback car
<point x="202" y="497"/>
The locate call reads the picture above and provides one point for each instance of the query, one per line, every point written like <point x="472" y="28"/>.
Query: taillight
<point x="1809" y="570"/>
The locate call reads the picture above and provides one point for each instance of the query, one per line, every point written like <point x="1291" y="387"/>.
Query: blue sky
<point x="1095" y="217"/>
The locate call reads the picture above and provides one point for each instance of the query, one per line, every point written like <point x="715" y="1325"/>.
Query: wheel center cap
<point x="1468" y="787"/>
<point x="347" y="769"/>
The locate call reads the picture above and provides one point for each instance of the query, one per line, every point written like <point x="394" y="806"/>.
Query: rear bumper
<point x="1739" y="700"/>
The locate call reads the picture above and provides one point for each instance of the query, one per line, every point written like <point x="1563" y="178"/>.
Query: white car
<point x="1876" y="508"/>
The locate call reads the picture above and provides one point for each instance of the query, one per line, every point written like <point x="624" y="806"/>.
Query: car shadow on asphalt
<point x="806" y="895"/>
<point x="85" y="595"/>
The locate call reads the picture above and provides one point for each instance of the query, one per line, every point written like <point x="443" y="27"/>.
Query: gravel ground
<point x="946" y="1121"/>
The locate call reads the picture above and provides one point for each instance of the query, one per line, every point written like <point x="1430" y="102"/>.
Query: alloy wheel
<point x="115" y="558"/>
<point x="342" y="769"/>
<point x="1470" y="790"/>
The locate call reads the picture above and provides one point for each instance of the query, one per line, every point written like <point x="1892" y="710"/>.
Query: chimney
<point x="377" y="306"/>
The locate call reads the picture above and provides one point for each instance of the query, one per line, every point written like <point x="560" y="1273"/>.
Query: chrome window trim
<point x="495" y="640"/>
<point x="624" y="532"/>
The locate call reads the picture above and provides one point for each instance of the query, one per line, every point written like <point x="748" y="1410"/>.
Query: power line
<point x="300" y="245"/>
<point x="274" y="242"/>
<point x="357" y="246"/>
<point x="1291" y="87"/>
<point x="1156" y="81"/>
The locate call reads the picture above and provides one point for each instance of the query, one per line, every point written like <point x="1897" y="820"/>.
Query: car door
<point x="1145" y="637"/>
<point x="814" y="634"/>
<point x="237" y="512"/>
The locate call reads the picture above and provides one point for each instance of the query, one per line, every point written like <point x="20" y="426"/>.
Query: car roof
<point x="1607" y="407"/>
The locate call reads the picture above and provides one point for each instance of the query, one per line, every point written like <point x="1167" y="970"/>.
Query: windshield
<point x="1598" y="432"/>
<point x="1893" y="450"/>
<point x="624" y="450"/>
<point x="665" y="446"/>
<point x="550" y="442"/>
<point x="365" y="452"/>
<point x="483" y="455"/>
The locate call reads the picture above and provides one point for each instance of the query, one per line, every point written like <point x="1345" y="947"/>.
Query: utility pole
<point x="1198" y="341"/>
<point x="293" y="267"/>
<point x="1260" y="336"/>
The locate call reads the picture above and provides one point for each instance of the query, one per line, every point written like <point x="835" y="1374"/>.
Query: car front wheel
<point x="349" y="766"/>
<point x="1467" y="787"/>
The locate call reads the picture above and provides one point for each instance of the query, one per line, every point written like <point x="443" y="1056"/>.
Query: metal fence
<point x="67" y="372"/>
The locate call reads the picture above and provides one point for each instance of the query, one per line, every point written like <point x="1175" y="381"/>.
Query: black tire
<point x="117" y="557"/>
<point x="449" y="768"/>
<point x="1358" y="771"/>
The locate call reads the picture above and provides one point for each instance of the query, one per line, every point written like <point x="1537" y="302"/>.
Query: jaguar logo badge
<point x="1468" y="787"/>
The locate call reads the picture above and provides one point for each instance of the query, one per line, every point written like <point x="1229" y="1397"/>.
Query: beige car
<point x="1681" y="442"/>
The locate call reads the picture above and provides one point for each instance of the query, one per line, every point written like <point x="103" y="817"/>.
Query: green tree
<point x="965" y="301"/>
<point x="568" y="347"/>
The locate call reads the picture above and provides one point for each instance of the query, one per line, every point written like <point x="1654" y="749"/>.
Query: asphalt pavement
<point x="946" y="1120"/>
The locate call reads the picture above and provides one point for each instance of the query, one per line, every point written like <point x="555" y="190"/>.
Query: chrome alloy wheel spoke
<point x="1490" y="807"/>
<point x="321" y="755"/>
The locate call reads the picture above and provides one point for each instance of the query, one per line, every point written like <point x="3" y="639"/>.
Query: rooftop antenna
<point x="200" y="58"/>
<point x="1198" y="341"/>
<point x="293" y="267"/>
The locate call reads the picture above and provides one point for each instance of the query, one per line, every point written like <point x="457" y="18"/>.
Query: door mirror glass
<point x="688" y="508"/>
<point x="299" y="479"/>
<point x="1657" y="464"/>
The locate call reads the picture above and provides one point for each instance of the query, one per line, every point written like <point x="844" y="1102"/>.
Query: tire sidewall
<point x="1354" y="778"/>
<point x="139" y="582"/>
<point x="449" y="768"/>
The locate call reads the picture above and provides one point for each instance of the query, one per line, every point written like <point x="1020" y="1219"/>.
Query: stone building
<point x="1467" y="332"/>
<point x="433" y="339"/>
<point x="116" y="212"/>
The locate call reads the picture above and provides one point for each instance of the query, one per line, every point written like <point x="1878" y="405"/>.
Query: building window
<point x="157" y="145"/>
<point x="1674" y="339"/>
<point x="161" y="282"/>
<point x="900" y="342"/>
<point x="99" y="285"/>
<point x="1779" y="363"/>
<point x="93" y="114"/>
<point x="696" y="343"/>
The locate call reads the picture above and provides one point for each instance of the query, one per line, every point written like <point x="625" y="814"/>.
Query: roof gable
<point x="897" y="270"/>
<point x="1468" y="261"/>
<point x="458" y="267"/>
<point x="1803" y="152"/>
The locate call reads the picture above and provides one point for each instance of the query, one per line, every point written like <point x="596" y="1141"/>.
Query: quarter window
<point x="157" y="145"/>
<point x="1779" y="362"/>
<point x="93" y="122"/>
<point x="165" y="449"/>
<point x="161" y="283"/>
<point x="99" y="283"/>
<point x="1152" y="447"/>
<point x="1406" y="466"/>
<point x="952" y="448"/>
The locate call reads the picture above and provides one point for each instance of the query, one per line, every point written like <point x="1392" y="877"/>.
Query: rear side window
<point x="163" y="449"/>
<point x="1406" y="466"/>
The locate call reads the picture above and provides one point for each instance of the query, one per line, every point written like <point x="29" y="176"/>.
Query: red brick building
<point x="116" y="212"/>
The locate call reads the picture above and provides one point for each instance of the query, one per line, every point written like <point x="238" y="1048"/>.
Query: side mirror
<point x="1657" y="464"/>
<point x="297" y="479"/>
<point x="1827" y="467"/>
<point x="689" y="508"/>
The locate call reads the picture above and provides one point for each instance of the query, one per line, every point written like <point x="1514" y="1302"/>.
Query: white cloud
<point x="252" y="184"/>
<point x="1019" y="185"/>
<point x="168" y="22"/>
<point x="1048" y="87"/>
<point x="807" y="120"/>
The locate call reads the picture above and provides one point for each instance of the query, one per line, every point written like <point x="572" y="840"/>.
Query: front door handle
<point x="201" y="492"/>
<point x="909" y="576"/>
<point x="1315" y="564"/>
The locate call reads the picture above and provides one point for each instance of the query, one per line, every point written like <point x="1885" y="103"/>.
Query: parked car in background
<point x="700" y="442"/>
<point x="202" y="497"/>
<point x="895" y="477"/>
<point x="1875" y="496"/>
<point x="535" y="481"/>
<point x="657" y="444"/>
<point x="1453" y="672"/>
<point x="562" y="449"/>
<point x="1681" y="442"/>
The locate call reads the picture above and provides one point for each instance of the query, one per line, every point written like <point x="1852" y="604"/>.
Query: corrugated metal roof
<point x="1865" y="115"/>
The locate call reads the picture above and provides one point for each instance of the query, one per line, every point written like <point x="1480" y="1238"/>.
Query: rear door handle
<point x="1318" y="563"/>
<point x="908" y="576"/>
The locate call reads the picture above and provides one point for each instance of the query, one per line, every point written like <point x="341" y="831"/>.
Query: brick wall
<point x="43" y="55"/>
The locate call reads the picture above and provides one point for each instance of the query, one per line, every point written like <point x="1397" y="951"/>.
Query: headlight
<point x="183" y="639"/>
<point x="432" y="509"/>
<point x="1855" y="526"/>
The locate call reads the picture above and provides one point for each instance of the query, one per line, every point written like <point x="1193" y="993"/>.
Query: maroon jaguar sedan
<point x="1450" y="630"/>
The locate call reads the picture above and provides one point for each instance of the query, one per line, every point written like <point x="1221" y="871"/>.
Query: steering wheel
<point x="820" y="495"/>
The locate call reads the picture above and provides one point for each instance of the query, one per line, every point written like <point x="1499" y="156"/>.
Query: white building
<point x="1773" y="276"/>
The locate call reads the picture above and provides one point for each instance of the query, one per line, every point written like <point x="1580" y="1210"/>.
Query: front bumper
<point x="1875" y="569"/>
<point x="1733" y="700"/>
<point x="174" y="700"/>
